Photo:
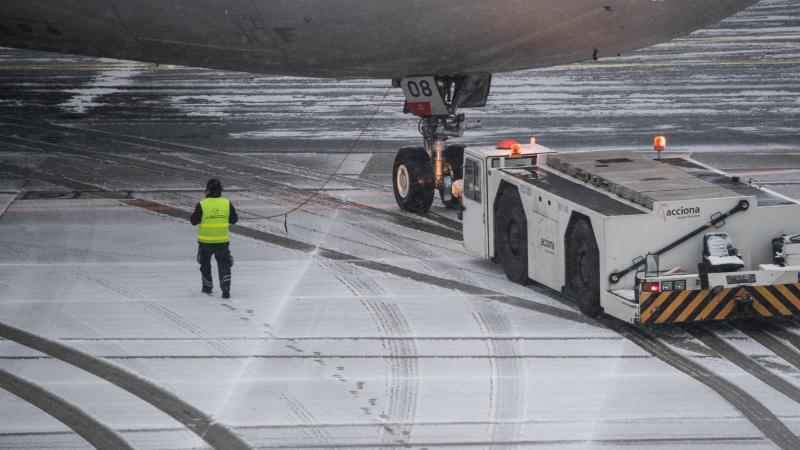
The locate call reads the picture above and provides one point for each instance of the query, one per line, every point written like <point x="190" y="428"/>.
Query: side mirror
<point x="651" y="266"/>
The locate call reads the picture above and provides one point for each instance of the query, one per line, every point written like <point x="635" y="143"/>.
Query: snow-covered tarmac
<point x="358" y="326"/>
<point x="313" y="352"/>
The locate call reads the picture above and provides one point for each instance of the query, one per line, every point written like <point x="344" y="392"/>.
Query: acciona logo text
<point x="680" y="212"/>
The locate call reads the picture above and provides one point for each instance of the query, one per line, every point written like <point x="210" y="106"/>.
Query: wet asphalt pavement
<point x="733" y="88"/>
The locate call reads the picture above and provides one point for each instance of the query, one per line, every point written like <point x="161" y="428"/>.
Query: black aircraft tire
<point x="412" y="180"/>
<point x="583" y="268"/>
<point x="512" y="229"/>
<point x="454" y="158"/>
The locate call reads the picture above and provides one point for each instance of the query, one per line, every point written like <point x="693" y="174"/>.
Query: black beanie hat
<point x="214" y="185"/>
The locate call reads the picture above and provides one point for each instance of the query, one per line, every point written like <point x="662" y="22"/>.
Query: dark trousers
<point x="224" y="259"/>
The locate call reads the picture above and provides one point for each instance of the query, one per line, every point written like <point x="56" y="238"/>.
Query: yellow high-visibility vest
<point x="213" y="227"/>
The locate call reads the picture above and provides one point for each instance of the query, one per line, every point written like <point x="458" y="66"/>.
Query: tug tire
<point x="512" y="236"/>
<point x="583" y="267"/>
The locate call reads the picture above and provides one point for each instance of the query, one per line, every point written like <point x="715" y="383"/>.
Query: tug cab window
<point x="472" y="180"/>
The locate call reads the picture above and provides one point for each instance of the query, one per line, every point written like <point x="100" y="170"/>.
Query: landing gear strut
<point x="419" y="171"/>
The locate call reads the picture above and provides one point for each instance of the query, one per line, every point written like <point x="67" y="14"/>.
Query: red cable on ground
<point x="349" y="152"/>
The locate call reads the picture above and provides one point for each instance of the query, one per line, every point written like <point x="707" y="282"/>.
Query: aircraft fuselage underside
<point x="352" y="38"/>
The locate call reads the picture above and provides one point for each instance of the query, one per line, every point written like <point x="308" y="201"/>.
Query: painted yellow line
<point x="673" y="306"/>
<point x="692" y="306"/>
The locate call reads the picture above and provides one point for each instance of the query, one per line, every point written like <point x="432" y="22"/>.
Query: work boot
<point x="208" y="285"/>
<point x="226" y="294"/>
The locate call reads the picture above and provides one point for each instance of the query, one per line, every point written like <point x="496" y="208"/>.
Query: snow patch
<point x="106" y="83"/>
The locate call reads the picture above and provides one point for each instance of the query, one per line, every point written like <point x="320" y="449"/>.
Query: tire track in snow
<point x="752" y="409"/>
<point x="732" y="354"/>
<point x="765" y="335"/>
<point x="156" y="310"/>
<point x="786" y="334"/>
<point x="309" y="428"/>
<point x="403" y="381"/>
<point x="217" y="435"/>
<point x="506" y="384"/>
<point x="758" y="414"/>
<point x="324" y="201"/>
<point x="322" y="252"/>
<point x="388" y="357"/>
<point x="246" y="177"/>
<point x="367" y="228"/>
<point x="417" y="338"/>
<point x="137" y="365"/>
<point x="409" y="248"/>
<point x="90" y="429"/>
<point x="644" y="442"/>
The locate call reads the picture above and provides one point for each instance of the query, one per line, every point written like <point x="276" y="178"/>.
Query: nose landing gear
<point x="420" y="171"/>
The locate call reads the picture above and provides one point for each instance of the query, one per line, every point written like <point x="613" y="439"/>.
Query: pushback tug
<point x="649" y="241"/>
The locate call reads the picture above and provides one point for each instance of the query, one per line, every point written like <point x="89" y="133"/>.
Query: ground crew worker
<point x="214" y="215"/>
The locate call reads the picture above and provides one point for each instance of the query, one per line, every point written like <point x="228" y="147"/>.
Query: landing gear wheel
<point x="512" y="234"/>
<point x="413" y="182"/>
<point x="583" y="268"/>
<point x="454" y="167"/>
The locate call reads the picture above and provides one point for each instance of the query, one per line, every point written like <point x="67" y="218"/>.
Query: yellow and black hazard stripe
<point x="778" y="300"/>
<point x="699" y="305"/>
<point x="684" y="306"/>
